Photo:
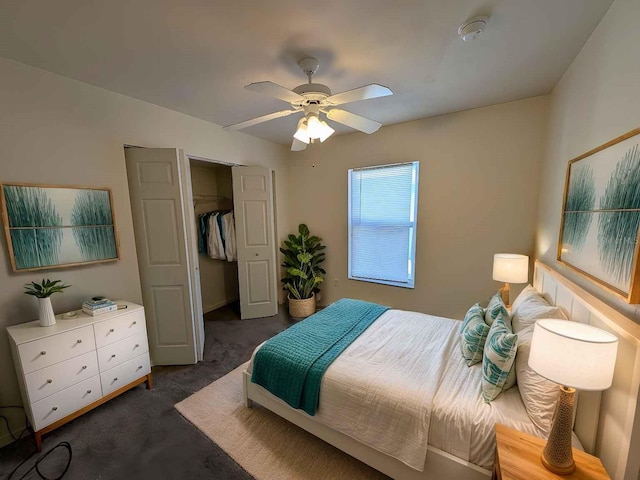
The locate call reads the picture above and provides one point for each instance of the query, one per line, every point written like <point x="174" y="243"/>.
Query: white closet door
<point x="253" y="211"/>
<point x="155" y="188"/>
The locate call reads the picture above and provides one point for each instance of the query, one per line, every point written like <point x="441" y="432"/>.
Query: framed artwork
<point x="601" y="215"/>
<point x="53" y="227"/>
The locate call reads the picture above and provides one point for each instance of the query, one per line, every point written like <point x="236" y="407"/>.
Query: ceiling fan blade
<point x="257" y="120"/>
<point x="275" y="90"/>
<point x="362" y="93"/>
<point x="297" y="145"/>
<point x="352" y="120"/>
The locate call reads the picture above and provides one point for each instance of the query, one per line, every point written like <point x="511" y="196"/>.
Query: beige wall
<point x="60" y="131"/>
<point x="597" y="100"/>
<point x="479" y="175"/>
<point x="218" y="278"/>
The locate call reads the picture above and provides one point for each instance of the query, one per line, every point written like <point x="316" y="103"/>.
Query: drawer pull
<point x="54" y="408"/>
<point x="111" y="330"/>
<point x="49" y="380"/>
<point x="137" y="345"/>
<point x="79" y="341"/>
<point x="88" y="392"/>
<point x="115" y="379"/>
<point x="43" y="352"/>
<point x="135" y="322"/>
<point x="113" y="355"/>
<point x="84" y="367"/>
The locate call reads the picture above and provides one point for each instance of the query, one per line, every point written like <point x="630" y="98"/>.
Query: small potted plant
<point x="43" y="292"/>
<point x="302" y="259"/>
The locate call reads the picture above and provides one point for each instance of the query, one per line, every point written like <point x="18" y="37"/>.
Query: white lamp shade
<point x="301" y="133"/>
<point x="573" y="354"/>
<point x="510" y="268"/>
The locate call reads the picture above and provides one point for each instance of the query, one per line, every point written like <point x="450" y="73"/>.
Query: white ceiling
<point x="194" y="56"/>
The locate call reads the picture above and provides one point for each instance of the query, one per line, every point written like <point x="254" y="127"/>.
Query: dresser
<point x="79" y="363"/>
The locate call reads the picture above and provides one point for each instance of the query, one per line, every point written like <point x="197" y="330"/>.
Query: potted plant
<point x="302" y="259"/>
<point x="43" y="292"/>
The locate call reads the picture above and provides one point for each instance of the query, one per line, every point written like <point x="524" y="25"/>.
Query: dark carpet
<point x="139" y="435"/>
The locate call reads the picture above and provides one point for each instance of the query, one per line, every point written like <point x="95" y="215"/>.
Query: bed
<point x="460" y="441"/>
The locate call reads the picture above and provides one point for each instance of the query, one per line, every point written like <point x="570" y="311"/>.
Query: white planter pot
<point x="47" y="317"/>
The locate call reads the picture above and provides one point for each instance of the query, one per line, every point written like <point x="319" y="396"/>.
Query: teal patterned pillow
<point x="473" y="335"/>
<point x="496" y="307"/>
<point x="498" y="360"/>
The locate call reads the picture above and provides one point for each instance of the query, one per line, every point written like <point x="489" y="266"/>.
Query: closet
<point x="212" y="188"/>
<point x="169" y="191"/>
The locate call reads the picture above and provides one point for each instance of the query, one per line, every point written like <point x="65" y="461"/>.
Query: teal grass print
<point x="618" y="229"/>
<point x="31" y="207"/>
<point x="92" y="207"/>
<point x="581" y="199"/>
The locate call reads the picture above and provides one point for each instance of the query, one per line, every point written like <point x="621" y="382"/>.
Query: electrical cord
<point x="36" y="465"/>
<point x="6" y="422"/>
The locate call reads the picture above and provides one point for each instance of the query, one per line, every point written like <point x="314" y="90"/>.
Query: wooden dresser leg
<point x="149" y="382"/>
<point x="38" y="437"/>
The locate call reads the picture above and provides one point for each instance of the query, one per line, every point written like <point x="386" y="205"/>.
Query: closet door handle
<point x="115" y="379"/>
<point x="137" y="345"/>
<point x="88" y="392"/>
<point x="79" y="341"/>
<point x="257" y="254"/>
<point x="111" y="330"/>
<point x="84" y="367"/>
<point x="135" y="322"/>
<point x="113" y="355"/>
<point x="54" y="408"/>
<point x="49" y="380"/>
<point x="43" y="352"/>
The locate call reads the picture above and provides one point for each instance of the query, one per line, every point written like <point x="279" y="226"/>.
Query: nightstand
<point x="518" y="458"/>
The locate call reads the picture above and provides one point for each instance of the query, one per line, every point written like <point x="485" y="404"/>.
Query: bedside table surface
<point x="518" y="458"/>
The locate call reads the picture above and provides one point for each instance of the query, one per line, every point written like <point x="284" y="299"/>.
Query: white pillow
<point x="539" y="395"/>
<point x="531" y="306"/>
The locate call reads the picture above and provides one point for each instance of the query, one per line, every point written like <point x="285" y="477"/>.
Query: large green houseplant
<point x="303" y="257"/>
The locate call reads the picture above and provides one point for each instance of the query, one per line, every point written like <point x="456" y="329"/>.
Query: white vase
<point x="47" y="317"/>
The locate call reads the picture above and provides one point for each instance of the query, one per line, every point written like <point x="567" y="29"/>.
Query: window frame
<point x="413" y="225"/>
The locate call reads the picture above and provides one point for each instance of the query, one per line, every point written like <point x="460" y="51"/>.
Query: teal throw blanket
<point x="291" y="364"/>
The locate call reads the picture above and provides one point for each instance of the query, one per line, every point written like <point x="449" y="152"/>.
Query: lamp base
<point x="557" y="455"/>
<point x="505" y="294"/>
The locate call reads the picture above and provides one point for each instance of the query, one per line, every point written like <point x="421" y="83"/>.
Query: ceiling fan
<point x="312" y="99"/>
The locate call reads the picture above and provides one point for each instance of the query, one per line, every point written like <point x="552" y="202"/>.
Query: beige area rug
<point x="265" y="445"/>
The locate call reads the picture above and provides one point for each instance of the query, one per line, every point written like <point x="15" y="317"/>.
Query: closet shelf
<point x="200" y="199"/>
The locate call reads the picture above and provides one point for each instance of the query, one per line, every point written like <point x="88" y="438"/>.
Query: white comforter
<point x="403" y="384"/>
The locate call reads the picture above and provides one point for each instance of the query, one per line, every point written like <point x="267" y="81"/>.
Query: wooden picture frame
<point x="53" y="226"/>
<point x="599" y="231"/>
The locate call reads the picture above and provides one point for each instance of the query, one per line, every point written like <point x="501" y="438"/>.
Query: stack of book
<point x="97" y="307"/>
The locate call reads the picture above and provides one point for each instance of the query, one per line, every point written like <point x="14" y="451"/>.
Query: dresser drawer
<point x="59" y="405"/>
<point x="124" y="374"/>
<point x="122" y="351"/>
<point x="49" y="380"/>
<point x="56" y="348"/>
<point x="118" y="328"/>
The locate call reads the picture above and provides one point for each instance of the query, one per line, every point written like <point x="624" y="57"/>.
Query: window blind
<point x="382" y="223"/>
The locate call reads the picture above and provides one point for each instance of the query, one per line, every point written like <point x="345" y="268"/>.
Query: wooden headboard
<point x="607" y="423"/>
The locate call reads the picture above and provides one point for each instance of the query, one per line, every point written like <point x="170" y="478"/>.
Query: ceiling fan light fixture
<point x="318" y="129"/>
<point x="302" y="133"/>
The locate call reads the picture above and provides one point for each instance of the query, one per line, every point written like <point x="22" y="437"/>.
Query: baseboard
<point x="222" y="303"/>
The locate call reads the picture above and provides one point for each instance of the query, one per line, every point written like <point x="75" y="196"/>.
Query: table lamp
<point x="573" y="355"/>
<point x="510" y="268"/>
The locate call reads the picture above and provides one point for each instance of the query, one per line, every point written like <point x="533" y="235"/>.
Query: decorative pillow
<point x="495" y="307"/>
<point x="473" y="335"/>
<point x="499" y="356"/>
<point x="531" y="306"/>
<point x="539" y="395"/>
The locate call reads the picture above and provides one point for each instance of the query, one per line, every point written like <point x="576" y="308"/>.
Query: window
<point x="383" y="206"/>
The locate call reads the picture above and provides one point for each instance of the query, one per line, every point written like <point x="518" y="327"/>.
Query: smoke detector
<point x="472" y="28"/>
